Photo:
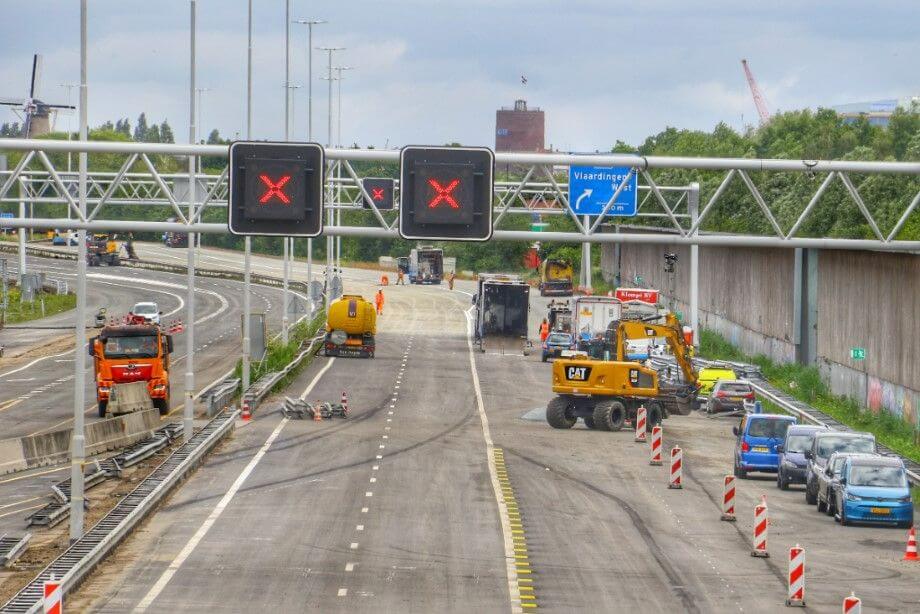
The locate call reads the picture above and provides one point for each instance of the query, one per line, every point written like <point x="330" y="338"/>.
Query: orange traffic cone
<point x="317" y="413"/>
<point x="910" y="554"/>
<point x="246" y="414"/>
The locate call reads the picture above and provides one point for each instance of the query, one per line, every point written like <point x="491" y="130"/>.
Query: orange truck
<point x="124" y="355"/>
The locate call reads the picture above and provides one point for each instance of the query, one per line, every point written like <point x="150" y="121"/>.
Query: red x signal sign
<point x="443" y="193"/>
<point x="377" y="193"/>
<point x="274" y="189"/>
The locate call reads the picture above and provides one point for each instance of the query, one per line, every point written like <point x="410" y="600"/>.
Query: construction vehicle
<point x="502" y="310"/>
<point x="605" y="393"/>
<point x="556" y="278"/>
<point x="102" y="249"/>
<point x="351" y="327"/>
<point x="426" y="265"/>
<point x="126" y="354"/>
<point x="175" y="239"/>
<point x="559" y="317"/>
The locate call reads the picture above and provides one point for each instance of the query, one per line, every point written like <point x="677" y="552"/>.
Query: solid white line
<point x="513" y="587"/>
<point x="170" y="571"/>
<point x="343" y="592"/>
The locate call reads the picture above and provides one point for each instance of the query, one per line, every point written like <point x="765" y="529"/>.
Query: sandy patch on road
<point x="56" y="345"/>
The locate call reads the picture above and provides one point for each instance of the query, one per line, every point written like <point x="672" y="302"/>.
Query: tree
<point x="140" y="131"/>
<point x="123" y="126"/>
<point x="166" y="133"/>
<point x="153" y="134"/>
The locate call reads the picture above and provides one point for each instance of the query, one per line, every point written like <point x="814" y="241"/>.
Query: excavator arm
<point x="670" y="332"/>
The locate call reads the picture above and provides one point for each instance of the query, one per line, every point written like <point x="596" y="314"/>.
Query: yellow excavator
<point x="605" y="393"/>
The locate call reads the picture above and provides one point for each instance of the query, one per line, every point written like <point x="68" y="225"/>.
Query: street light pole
<point x="338" y="212"/>
<point x="330" y="218"/>
<point x="287" y="137"/>
<point x="78" y="453"/>
<point x="189" y="408"/>
<point x="247" y="241"/>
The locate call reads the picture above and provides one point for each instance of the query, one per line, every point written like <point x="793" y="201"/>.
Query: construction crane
<point x="759" y="100"/>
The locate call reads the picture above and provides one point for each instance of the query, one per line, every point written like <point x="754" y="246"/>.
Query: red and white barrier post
<point x="852" y="604"/>
<point x="728" y="498"/>
<point x="656" y="446"/>
<point x="640" y="424"/>
<point x="760" y="530"/>
<point x="344" y="403"/>
<point x="676" y="468"/>
<point x="796" y="596"/>
<point x="53" y="595"/>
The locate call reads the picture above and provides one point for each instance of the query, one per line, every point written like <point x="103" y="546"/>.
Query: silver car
<point x="828" y="480"/>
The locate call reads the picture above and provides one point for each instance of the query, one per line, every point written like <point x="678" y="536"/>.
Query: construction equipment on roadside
<point x="560" y="317"/>
<point x="129" y="354"/>
<point x="102" y="249"/>
<point x="351" y="328"/>
<point x="301" y="409"/>
<point x="605" y="393"/>
<point x="556" y="277"/>
<point x="502" y="308"/>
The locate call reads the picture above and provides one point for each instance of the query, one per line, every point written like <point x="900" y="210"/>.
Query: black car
<point x="825" y="444"/>
<point x="792" y="462"/>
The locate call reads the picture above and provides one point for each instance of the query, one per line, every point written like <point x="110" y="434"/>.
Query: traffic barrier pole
<point x="796" y="596"/>
<point x="656" y="446"/>
<point x="640" y="424"/>
<point x="728" y="498"/>
<point x="852" y="604"/>
<point x="344" y="403"/>
<point x="910" y="553"/>
<point x="53" y="596"/>
<point x="676" y="468"/>
<point x="760" y="531"/>
<point x="317" y="413"/>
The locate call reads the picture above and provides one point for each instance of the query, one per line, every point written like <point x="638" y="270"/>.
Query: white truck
<point x="426" y="265"/>
<point x="591" y="317"/>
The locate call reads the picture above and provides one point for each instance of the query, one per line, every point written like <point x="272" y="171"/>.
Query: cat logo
<point x="579" y="374"/>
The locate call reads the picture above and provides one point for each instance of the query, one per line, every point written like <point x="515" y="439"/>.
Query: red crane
<point x="759" y="100"/>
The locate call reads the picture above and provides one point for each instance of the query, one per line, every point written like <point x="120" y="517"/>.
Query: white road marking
<point x="369" y="494"/>
<point x="373" y="480"/>
<point x="343" y="592"/>
<point x="375" y="467"/>
<point x="365" y="510"/>
<point x="349" y="566"/>
<point x="379" y="457"/>
<point x="360" y="527"/>
<point x="513" y="587"/>
<point x="170" y="571"/>
<point x="354" y="545"/>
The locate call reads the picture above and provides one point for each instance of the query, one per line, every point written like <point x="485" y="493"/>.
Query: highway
<point x="396" y="509"/>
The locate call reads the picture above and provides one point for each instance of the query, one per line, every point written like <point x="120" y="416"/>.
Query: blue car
<point x="793" y="466"/>
<point x="556" y="343"/>
<point x="874" y="490"/>
<point x="758" y="437"/>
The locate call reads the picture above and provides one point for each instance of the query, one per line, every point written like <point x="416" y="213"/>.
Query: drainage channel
<point x="78" y="560"/>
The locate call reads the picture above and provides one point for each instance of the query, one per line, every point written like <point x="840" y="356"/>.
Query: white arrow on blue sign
<point x="592" y="187"/>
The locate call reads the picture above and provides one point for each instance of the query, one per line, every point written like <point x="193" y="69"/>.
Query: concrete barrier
<point x="54" y="447"/>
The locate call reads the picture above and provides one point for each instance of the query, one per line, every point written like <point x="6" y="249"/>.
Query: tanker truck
<point x="350" y="327"/>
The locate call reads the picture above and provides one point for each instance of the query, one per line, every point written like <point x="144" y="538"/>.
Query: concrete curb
<point x="54" y="447"/>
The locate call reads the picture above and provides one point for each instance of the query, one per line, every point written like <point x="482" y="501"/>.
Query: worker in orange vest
<point x="544" y="330"/>
<point x="378" y="300"/>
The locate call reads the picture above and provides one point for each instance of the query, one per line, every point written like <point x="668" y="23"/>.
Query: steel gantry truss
<point x="541" y="189"/>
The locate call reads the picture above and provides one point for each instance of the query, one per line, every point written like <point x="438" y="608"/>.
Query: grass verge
<point x="805" y="384"/>
<point x="17" y="312"/>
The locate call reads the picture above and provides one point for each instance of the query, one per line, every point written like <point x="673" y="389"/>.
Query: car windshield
<point x="878" y="475"/>
<point x="559" y="338"/>
<point x="142" y="309"/>
<point x="798" y="443"/>
<point x="131" y="347"/>
<point x="735" y="388"/>
<point x="829" y="445"/>
<point x="766" y="427"/>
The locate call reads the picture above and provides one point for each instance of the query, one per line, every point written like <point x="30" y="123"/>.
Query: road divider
<point x="796" y="596"/>
<point x="677" y="456"/>
<point x="54" y="447"/>
<point x="728" y="498"/>
<point x="852" y="604"/>
<point x="640" y="424"/>
<point x="761" y="519"/>
<point x="656" y="446"/>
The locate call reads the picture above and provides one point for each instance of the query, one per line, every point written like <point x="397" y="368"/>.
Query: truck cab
<point x="128" y="354"/>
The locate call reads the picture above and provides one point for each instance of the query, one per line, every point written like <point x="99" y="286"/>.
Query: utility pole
<point x="287" y="137"/>
<point x="77" y="447"/>
<point x="247" y="241"/>
<point x="330" y="218"/>
<point x="338" y="212"/>
<point x="189" y="408"/>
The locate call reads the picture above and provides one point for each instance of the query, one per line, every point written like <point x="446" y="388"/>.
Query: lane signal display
<point x="380" y="191"/>
<point x="276" y="189"/>
<point x="446" y="193"/>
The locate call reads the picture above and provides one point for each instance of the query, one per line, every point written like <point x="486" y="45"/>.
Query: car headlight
<point x="904" y="499"/>
<point x="852" y="497"/>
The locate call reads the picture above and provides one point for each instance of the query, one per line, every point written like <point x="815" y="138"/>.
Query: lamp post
<point x="247" y="241"/>
<point x="338" y="214"/>
<point x="330" y="217"/>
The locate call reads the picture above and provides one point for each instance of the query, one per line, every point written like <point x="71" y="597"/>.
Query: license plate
<point x="762" y="449"/>
<point x="881" y="511"/>
<point x="734" y="398"/>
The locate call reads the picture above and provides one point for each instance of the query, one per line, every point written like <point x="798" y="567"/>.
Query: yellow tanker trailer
<point x="350" y="327"/>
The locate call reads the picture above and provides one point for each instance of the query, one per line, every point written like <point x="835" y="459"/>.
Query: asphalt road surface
<point x="421" y="501"/>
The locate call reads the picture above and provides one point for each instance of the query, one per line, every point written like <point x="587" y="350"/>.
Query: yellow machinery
<point x="351" y="327"/>
<point x="556" y="278"/>
<point x="102" y="249"/>
<point x="604" y="393"/>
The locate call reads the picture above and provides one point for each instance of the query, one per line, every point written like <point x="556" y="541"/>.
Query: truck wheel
<point x="102" y="407"/>
<point x="609" y="415"/>
<point x="589" y="422"/>
<point x="559" y="413"/>
<point x="162" y="405"/>
<point x="653" y="416"/>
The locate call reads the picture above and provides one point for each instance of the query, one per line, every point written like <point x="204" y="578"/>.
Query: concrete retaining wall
<point x="54" y="447"/>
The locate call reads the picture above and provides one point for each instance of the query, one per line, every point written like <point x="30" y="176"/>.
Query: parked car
<point x="710" y="375"/>
<point x="557" y="343"/>
<point x="828" y="480"/>
<point x="64" y="238"/>
<point x="792" y="462"/>
<point x="825" y="444"/>
<point x="758" y="436"/>
<point x="874" y="489"/>
<point x="149" y="311"/>
<point x="729" y="395"/>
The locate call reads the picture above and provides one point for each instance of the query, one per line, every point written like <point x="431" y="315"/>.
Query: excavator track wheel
<point x="559" y="413"/>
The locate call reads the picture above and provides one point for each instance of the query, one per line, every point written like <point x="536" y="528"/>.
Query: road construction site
<point x="443" y="490"/>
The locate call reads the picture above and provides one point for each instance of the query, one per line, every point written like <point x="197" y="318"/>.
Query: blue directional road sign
<point x="592" y="187"/>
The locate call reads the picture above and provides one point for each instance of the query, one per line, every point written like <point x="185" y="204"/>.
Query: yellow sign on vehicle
<point x="880" y="510"/>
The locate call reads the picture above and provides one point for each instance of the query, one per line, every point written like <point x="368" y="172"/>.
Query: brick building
<point x="519" y="129"/>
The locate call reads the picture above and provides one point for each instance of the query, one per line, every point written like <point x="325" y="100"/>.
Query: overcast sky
<point x="435" y="71"/>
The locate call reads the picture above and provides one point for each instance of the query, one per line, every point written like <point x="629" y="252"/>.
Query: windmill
<point x="35" y="113"/>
